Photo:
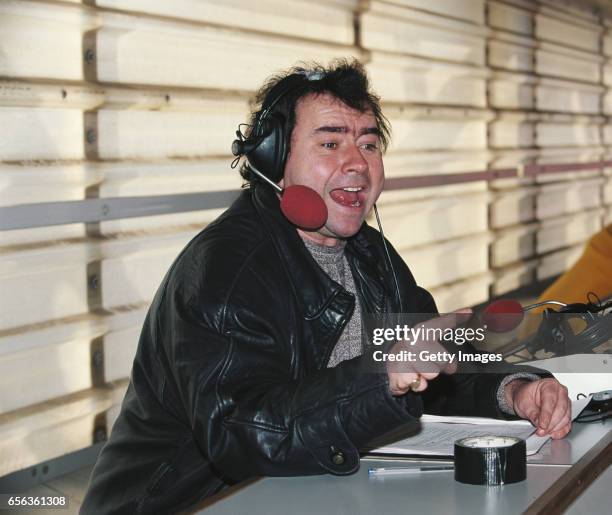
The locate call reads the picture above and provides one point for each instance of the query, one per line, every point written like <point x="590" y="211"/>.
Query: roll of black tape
<point x="490" y="460"/>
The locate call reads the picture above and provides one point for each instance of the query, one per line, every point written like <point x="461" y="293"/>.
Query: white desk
<point x="425" y="493"/>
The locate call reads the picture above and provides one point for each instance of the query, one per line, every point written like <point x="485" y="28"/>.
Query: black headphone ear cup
<point x="266" y="147"/>
<point x="269" y="153"/>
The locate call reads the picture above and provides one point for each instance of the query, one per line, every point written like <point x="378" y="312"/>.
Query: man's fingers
<point x="425" y="354"/>
<point x="401" y="383"/>
<point x="450" y="320"/>
<point x="561" y="412"/>
<point x="461" y="316"/>
<point x="422" y="385"/>
<point x="533" y="417"/>
<point x="546" y="404"/>
<point x="548" y="401"/>
<point x="429" y="375"/>
<point x="451" y="368"/>
<point x="561" y="432"/>
<point x="566" y="420"/>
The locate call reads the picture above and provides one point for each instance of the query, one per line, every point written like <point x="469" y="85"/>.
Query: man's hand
<point x="403" y="377"/>
<point x="544" y="403"/>
<point x="403" y="382"/>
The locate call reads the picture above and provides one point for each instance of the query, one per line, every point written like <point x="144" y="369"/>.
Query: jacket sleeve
<point x="473" y="393"/>
<point x="251" y="416"/>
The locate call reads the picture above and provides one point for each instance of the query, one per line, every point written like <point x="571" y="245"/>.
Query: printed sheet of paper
<point x="435" y="436"/>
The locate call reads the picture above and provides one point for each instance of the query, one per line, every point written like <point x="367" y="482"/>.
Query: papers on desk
<point x="435" y="436"/>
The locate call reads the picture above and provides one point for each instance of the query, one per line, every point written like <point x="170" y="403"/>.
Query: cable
<point x="382" y="235"/>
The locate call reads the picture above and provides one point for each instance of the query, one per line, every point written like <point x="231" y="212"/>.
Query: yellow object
<point x="591" y="273"/>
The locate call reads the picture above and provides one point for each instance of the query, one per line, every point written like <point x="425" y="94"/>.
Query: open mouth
<point x="353" y="196"/>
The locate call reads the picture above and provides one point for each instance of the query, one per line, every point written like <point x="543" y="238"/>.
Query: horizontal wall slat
<point x="469" y="10"/>
<point x="585" y="37"/>
<point x="27" y="134"/>
<point x="417" y="80"/>
<point x="434" y="265"/>
<point x="511" y="18"/>
<point x="395" y="29"/>
<point x="328" y="21"/>
<point x="190" y="57"/>
<point x="460" y="294"/>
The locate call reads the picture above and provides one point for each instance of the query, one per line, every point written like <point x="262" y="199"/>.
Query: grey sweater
<point x="334" y="263"/>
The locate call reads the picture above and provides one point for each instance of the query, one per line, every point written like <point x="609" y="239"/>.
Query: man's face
<point x="335" y="150"/>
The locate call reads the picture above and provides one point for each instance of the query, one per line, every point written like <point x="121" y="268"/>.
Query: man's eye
<point x="369" y="146"/>
<point x="330" y="145"/>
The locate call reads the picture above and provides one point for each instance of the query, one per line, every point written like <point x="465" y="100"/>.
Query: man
<point x="249" y="362"/>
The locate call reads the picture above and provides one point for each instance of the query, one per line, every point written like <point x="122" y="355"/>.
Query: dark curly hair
<point x="345" y="79"/>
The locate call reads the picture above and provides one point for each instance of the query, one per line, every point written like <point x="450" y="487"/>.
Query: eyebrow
<point x="344" y="129"/>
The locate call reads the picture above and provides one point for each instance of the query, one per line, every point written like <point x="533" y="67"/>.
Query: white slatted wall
<point x="547" y="92"/>
<point x="430" y="67"/>
<point x="120" y="98"/>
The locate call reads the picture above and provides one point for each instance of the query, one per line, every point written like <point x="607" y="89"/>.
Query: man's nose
<point x="354" y="161"/>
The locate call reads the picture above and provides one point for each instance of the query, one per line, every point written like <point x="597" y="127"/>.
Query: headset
<point x="266" y="146"/>
<point x="556" y="334"/>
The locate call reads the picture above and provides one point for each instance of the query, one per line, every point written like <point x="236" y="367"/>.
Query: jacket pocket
<point x="179" y="482"/>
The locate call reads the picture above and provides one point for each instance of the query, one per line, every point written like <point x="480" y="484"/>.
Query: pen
<point x="406" y="470"/>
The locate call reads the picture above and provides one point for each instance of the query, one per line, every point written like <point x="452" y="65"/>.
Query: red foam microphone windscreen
<point x="503" y="315"/>
<point x="303" y="207"/>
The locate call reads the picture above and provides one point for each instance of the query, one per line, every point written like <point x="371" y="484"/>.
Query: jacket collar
<point x="311" y="285"/>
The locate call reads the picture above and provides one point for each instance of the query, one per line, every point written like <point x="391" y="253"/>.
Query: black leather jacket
<point x="230" y="380"/>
